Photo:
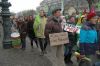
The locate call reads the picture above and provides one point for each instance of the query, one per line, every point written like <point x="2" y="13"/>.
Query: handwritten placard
<point x="71" y="28"/>
<point x="58" y="38"/>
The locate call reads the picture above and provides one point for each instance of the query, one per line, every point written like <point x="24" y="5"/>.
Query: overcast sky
<point x="20" y="5"/>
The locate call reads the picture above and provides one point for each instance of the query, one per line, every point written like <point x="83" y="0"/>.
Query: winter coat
<point x="30" y="30"/>
<point x="22" y="29"/>
<point x="53" y="26"/>
<point x="39" y="26"/>
<point x="88" y="34"/>
<point x="88" y="39"/>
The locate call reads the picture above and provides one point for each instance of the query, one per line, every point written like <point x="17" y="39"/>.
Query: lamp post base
<point x="5" y="13"/>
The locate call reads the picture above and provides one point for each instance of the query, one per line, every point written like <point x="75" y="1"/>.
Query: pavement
<point x="18" y="57"/>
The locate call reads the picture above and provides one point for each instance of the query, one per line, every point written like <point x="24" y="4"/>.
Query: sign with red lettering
<point x="71" y="28"/>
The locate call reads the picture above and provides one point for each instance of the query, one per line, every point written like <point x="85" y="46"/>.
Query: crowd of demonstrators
<point x="88" y="37"/>
<point x="39" y="27"/>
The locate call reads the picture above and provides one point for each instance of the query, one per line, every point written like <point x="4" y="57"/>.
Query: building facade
<point x="77" y="4"/>
<point x="49" y="5"/>
<point x="80" y="5"/>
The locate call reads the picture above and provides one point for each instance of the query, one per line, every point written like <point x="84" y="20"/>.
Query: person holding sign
<point x="54" y="26"/>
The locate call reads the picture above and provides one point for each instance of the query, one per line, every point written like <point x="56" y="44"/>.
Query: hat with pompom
<point x="91" y="14"/>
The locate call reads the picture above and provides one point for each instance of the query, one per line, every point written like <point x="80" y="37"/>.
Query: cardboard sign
<point x="71" y="28"/>
<point x="58" y="38"/>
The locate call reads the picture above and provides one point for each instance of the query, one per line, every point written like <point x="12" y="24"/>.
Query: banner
<point x="58" y="38"/>
<point x="71" y="28"/>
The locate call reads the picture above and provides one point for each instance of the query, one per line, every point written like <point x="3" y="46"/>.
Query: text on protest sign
<point x="71" y="28"/>
<point x="58" y="38"/>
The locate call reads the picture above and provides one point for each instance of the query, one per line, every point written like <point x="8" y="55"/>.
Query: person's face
<point x="25" y="18"/>
<point x="72" y="19"/>
<point x="58" y="13"/>
<point x="93" y="20"/>
<point x="42" y="13"/>
<point x="31" y="18"/>
<point x="99" y="19"/>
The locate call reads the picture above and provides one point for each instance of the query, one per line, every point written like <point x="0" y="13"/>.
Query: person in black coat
<point x="30" y="30"/>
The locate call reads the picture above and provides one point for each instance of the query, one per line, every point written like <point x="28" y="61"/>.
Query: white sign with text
<point x="58" y="38"/>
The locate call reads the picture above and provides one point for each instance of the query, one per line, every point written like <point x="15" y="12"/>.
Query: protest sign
<point x="58" y="38"/>
<point x="71" y="28"/>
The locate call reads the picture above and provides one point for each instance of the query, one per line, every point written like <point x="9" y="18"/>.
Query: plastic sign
<point x="71" y="28"/>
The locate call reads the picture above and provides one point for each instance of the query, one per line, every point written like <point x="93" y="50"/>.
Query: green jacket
<point x="39" y="26"/>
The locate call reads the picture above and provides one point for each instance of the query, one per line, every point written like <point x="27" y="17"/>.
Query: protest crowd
<point x="81" y="31"/>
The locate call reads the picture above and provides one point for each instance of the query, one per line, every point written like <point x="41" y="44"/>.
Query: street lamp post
<point x="62" y="6"/>
<point x="48" y="5"/>
<point x="5" y="13"/>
